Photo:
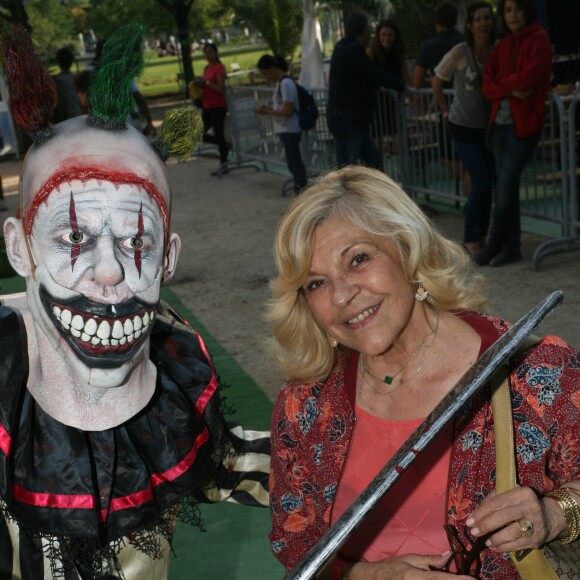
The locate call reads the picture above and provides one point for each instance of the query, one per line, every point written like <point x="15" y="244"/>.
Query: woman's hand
<point x="508" y="515"/>
<point x="264" y="110"/>
<point x="199" y="82"/>
<point x="408" y="567"/>
<point x="522" y="94"/>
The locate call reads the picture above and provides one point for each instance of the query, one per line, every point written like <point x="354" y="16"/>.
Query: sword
<point x="467" y="386"/>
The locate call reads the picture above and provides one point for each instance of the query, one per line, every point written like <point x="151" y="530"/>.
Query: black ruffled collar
<point x="91" y="489"/>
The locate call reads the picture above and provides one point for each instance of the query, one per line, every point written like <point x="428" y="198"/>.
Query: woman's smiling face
<point x="387" y="37"/>
<point x="356" y="289"/>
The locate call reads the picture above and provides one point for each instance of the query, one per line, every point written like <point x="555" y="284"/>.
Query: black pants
<point x="215" y="118"/>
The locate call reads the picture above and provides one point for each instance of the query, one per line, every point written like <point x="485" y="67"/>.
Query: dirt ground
<point x="227" y="226"/>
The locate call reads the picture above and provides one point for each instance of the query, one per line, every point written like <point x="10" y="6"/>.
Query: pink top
<point x="410" y="518"/>
<point x="212" y="99"/>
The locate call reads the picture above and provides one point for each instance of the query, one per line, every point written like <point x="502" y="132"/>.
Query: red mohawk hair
<point x="32" y="92"/>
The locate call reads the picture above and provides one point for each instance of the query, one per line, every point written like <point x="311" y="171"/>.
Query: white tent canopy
<point x="311" y="73"/>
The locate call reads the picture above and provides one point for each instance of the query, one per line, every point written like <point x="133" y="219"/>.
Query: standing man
<point x="353" y="80"/>
<point x="430" y="54"/>
<point x="68" y="104"/>
<point x="434" y="49"/>
<point x="111" y="425"/>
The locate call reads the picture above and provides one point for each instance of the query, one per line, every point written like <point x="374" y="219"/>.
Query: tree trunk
<point x="184" y="39"/>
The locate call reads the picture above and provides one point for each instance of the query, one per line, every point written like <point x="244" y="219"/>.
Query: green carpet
<point x="235" y="544"/>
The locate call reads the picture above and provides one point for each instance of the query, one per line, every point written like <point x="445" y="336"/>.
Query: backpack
<point x="308" y="109"/>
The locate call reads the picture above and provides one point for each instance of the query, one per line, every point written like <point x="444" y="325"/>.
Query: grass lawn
<point x="160" y="76"/>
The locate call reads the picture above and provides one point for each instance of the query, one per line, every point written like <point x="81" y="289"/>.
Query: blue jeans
<point x="353" y="143"/>
<point x="291" y="144"/>
<point x="478" y="161"/>
<point x="511" y="155"/>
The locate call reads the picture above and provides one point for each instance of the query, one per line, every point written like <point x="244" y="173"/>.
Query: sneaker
<point x="506" y="256"/>
<point x="221" y="170"/>
<point x="484" y="257"/>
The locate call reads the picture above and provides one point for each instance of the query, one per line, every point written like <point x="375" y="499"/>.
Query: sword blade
<point x="469" y="384"/>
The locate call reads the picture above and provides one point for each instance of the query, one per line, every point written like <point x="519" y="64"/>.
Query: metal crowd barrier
<point x="418" y="154"/>
<point x="567" y="173"/>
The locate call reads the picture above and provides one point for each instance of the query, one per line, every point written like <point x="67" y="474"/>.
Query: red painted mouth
<point x="98" y="335"/>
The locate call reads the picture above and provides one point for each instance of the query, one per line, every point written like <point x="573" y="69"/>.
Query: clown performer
<point x="110" y="419"/>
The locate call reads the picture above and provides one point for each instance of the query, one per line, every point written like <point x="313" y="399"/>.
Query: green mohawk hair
<point x="180" y="133"/>
<point x="110" y="91"/>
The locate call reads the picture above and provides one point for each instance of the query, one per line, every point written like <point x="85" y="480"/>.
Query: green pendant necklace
<point x="388" y="379"/>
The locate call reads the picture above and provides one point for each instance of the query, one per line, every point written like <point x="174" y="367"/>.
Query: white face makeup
<point x="95" y="215"/>
<point x="98" y="250"/>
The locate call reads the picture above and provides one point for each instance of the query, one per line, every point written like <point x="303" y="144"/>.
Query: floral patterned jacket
<point x="313" y="426"/>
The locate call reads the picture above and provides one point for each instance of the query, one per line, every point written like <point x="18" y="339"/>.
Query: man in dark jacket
<point x="353" y="80"/>
<point x="434" y="49"/>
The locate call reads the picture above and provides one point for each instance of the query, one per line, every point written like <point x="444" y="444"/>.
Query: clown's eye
<point x="134" y="243"/>
<point x="74" y="238"/>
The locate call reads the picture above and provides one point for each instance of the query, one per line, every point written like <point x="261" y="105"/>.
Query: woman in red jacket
<point x="516" y="81"/>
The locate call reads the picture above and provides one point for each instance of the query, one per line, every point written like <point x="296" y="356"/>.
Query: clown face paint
<point x="98" y="250"/>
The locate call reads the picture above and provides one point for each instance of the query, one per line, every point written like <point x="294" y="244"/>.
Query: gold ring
<point x="526" y="528"/>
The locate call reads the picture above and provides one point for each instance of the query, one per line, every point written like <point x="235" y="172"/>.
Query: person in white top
<point x="467" y="117"/>
<point x="285" y="108"/>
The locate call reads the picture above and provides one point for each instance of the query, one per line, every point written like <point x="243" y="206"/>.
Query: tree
<point x="53" y="26"/>
<point x="279" y="22"/>
<point x="108" y="15"/>
<point x="49" y="21"/>
<point x="13" y="11"/>
<point x="180" y="10"/>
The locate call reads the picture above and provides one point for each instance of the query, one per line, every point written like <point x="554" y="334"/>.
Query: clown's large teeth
<point x="66" y="316"/>
<point x="128" y="327"/>
<point x="102" y="334"/>
<point x="91" y="326"/>
<point x="117" y="330"/>
<point x="104" y="330"/>
<point x="362" y="315"/>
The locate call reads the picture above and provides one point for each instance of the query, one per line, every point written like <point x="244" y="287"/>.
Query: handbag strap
<point x="530" y="564"/>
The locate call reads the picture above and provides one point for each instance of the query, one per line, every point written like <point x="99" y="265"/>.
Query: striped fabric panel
<point x="19" y="560"/>
<point x="244" y="478"/>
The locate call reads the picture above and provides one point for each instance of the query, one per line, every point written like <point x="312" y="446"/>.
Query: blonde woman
<point x="376" y="316"/>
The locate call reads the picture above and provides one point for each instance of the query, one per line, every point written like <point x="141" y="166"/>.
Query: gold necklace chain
<point x="388" y="379"/>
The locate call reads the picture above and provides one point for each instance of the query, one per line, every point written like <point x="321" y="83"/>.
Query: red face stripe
<point x="5" y="441"/>
<point x="84" y="174"/>
<point x="75" y="248"/>
<point x="139" y="236"/>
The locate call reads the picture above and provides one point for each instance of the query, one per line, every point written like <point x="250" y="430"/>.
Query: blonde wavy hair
<point x="375" y="203"/>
